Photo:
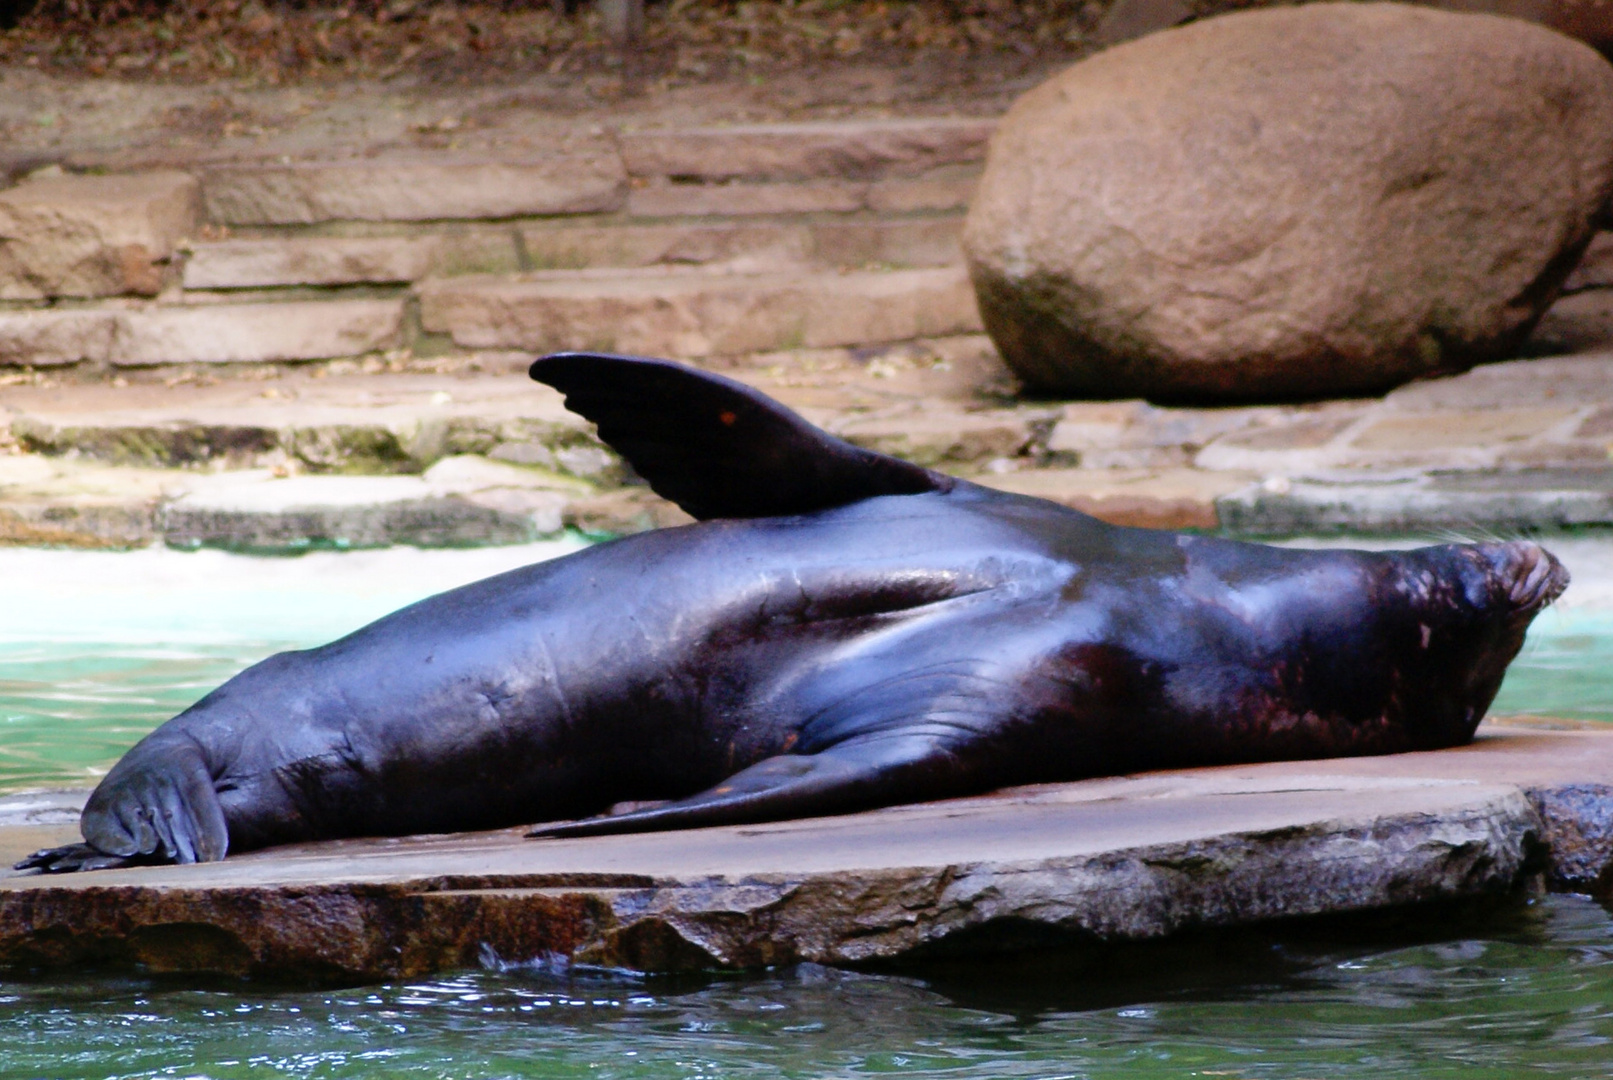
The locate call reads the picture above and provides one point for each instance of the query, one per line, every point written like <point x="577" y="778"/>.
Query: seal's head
<point x="1469" y="606"/>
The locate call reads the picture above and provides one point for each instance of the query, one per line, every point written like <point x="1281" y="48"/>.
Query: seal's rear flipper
<point x="71" y="858"/>
<point x="157" y="805"/>
<point x="859" y="774"/>
<point x="716" y="447"/>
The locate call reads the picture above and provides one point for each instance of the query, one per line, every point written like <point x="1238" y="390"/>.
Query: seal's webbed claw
<point x="71" y="858"/>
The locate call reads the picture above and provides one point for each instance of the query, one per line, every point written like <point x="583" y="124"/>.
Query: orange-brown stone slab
<point x="1122" y="858"/>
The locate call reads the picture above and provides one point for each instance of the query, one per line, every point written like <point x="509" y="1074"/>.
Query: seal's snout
<point x="1529" y="575"/>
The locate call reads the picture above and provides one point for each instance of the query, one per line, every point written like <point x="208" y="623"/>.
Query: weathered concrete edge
<point x="366" y="931"/>
<point x="1411" y="506"/>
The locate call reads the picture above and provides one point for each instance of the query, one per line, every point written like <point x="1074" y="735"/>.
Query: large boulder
<point x="1591" y="21"/>
<point x="1290" y="203"/>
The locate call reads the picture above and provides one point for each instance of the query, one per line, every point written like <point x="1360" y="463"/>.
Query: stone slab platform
<point x="1113" y="859"/>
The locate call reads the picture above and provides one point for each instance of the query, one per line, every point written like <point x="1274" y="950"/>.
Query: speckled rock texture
<point x="1109" y="859"/>
<point x="1290" y="203"/>
<point x="1121" y="860"/>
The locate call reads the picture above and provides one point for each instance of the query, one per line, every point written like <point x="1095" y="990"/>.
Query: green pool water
<point x="1526" y="990"/>
<point x="95" y="649"/>
<point x="98" y="648"/>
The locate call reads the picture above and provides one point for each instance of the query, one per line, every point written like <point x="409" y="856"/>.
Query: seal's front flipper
<point x="158" y="801"/>
<point x="859" y="774"/>
<point x="980" y="692"/>
<point x="157" y="805"/>
<point x="716" y="447"/>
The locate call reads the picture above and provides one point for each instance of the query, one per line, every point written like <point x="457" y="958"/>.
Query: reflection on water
<point x="1531" y="993"/>
<point x="67" y="714"/>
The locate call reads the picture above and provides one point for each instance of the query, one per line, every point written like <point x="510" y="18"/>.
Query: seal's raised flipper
<point x="157" y="805"/>
<point x="859" y="774"/>
<point x="718" y="448"/>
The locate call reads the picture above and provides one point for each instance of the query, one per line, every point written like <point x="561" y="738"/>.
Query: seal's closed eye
<point x="716" y="447"/>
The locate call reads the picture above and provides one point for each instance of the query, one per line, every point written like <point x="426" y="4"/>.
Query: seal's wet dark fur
<point x="842" y="630"/>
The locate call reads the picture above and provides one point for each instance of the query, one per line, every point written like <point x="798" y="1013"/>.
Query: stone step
<point x="1237" y="470"/>
<point x="340" y="418"/>
<point x="931" y="240"/>
<point x="689" y="315"/>
<point x="1552" y="412"/>
<point x="233" y="333"/>
<point x="1116" y="859"/>
<point x="446" y="507"/>
<point x="347" y="424"/>
<point x="281" y="261"/>
<point x="461" y="500"/>
<point x="903" y="164"/>
<point x="840" y="149"/>
<point x="948" y="188"/>
<point x="1145" y="498"/>
<point x="1453" y="504"/>
<point x="415" y="187"/>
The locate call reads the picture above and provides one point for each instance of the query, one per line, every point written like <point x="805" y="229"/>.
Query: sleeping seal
<point x="839" y="630"/>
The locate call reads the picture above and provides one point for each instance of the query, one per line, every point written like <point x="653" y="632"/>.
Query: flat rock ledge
<point x="1117" y="859"/>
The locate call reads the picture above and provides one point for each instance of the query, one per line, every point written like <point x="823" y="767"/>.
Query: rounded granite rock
<point x="1290" y="203"/>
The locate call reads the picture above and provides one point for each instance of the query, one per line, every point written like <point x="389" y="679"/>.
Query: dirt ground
<point x="191" y="60"/>
<point x="447" y="41"/>
<point x="137" y="83"/>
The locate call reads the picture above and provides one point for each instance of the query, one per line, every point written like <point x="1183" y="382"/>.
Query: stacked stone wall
<point x="689" y="243"/>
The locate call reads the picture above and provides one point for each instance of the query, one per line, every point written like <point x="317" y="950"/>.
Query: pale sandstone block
<point x="92" y="235"/>
<point x="255" y="511"/>
<point x="945" y="189"/>
<point x="858" y="149"/>
<point x="248" y="264"/>
<point x="691" y="315"/>
<point x="256" y="333"/>
<point x="560" y="247"/>
<point x="918" y="241"/>
<point x="902" y="242"/>
<point x="412" y="189"/>
<point x="733" y="200"/>
<point x="54" y="338"/>
<point x="1441" y="431"/>
<point x="937" y="437"/>
<point x="285" y="261"/>
<point x="1147" y="498"/>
